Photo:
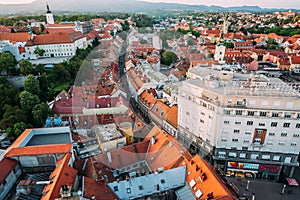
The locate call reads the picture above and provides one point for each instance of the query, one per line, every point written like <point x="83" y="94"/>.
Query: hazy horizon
<point x="264" y="4"/>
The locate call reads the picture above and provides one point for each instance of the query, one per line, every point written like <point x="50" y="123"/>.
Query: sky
<point x="225" y="3"/>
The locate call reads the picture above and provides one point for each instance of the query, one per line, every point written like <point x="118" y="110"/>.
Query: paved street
<point x="265" y="190"/>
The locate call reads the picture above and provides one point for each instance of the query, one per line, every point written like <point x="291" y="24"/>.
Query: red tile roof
<point x="136" y="82"/>
<point x="6" y="166"/>
<point x="39" y="150"/>
<point x="20" y="139"/>
<point x="198" y="169"/>
<point x="147" y="99"/>
<point x="98" y="190"/>
<point x="160" y="109"/>
<point x="172" y="116"/>
<point x="63" y="174"/>
<point x="295" y="59"/>
<point x="55" y="38"/>
<point x="15" y="37"/>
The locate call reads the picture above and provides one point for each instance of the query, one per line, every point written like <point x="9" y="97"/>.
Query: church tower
<point x="49" y="16"/>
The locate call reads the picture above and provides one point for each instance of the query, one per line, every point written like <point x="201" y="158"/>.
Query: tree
<point x="14" y="132"/>
<point x="7" y="63"/>
<point x="8" y="94"/>
<point x="32" y="85"/>
<point x="40" y="113"/>
<point x="28" y="101"/>
<point x="169" y="57"/>
<point x="143" y="41"/>
<point x="39" y="51"/>
<point x="12" y="115"/>
<point x="26" y="67"/>
<point x="42" y="28"/>
<point x="125" y="26"/>
<point x="190" y="41"/>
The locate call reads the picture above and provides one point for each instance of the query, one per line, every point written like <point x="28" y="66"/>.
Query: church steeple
<point x="49" y="16"/>
<point x="48" y="10"/>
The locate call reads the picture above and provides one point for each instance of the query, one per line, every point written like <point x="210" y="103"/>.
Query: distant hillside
<point x="39" y="7"/>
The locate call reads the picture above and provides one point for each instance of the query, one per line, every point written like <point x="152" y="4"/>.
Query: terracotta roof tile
<point x="6" y="166"/>
<point x="38" y="150"/>
<point x="20" y="139"/>
<point x="98" y="190"/>
<point x="198" y="169"/>
<point x="62" y="175"/>
<point x="172" y="116"/>
<point x="15" y="37"/>
<point x="160" y="109"/>
<point x="55" y="38"/>
<point x="147" y="99"/>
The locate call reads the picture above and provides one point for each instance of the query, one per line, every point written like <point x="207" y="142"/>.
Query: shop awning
<point x="292" y="181"/>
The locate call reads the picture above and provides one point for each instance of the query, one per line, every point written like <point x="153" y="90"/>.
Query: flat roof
<point x="60" y="138"/>
<point x="28" y="137"/>
<point x="137" y="187"/>
<point x="108" y="132"/>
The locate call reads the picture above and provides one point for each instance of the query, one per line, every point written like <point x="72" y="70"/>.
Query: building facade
<point x="249" y="125"/>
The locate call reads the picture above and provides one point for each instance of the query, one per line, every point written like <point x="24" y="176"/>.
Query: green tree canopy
<point x="28" y="101"/>
<point x="7" y="63"/>
<point x="26" y="67"/>
<point x="14" y="132"/>
<point x="12" y="115"/>
<point x="40" y="113"/>
<point x="8" y="94"/>
<point x="32" y="85"/>
<point x="39" y="51"/>
<point x="169" y="57"/>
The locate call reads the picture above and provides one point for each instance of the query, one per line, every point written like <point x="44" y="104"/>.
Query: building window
<point x="262" y="114"/>
<point x="293" y="144"/>
<point x="271" y="134"/>
<point x="281" y="143"/>
<point x="238" y="122"/>
<point x="287" y="115"/>
<point x="243" y="155"/>
<point x="236" y="131"/>
<point x="226" y="112"/>
<point x="246" y="141"/>
<point x="257" y="140"/>
<point x="240" y="102"/>
<point x="254" y="156"/>
<point x="286" y="125"/>
<point x="245" y="148"/>
<point x="270" y="143"/>
<point x="249" y="123"/>
<point x="283" y="134"/>
<point x="274" y="124"/>
<point x="259" y="131"/>
<point x="201" y="121"/>
<point x="298" y="115"/>
<point x="238" y="112"/>
<point x="261" y="124"/>
<point x="223" y="139"/>
<point x="226" y="122"/>
<point x="297" y="125"/>
<point x="275" y="114"/>
<point x="235" y="140"/>
<point x="250" y="113"/>
<point x="266" y="157"/>
<point x="276" y="158"/>
<point x="232" y="154"/>
<point x="221" y="154"/>
<point x="248" y="132"/>
<point x="296" y="135"/>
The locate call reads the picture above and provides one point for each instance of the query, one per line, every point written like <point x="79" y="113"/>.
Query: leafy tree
<point x="125" y="26"/>
<point x="60" y="74"/>
<point x="26" y="67"/>
<point x="12" y="115"/>
<point x="32" y="85"/>
<point x="14" y="132"/>
<point x="8" y="94"/>
<point x="40" y="69"/>
<point x="42" y="28"/>
<point x="169" y="57"/>
<point x="229" y="45"/>
<point x="28" y="101"/>
<point x="39" y="51"/>
<point x="7" y="63"/>
<point x="40" y="113"/>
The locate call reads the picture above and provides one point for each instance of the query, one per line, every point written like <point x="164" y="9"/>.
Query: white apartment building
<point x="248" y="125"/>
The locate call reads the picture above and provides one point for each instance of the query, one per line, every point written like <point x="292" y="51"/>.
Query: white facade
<point x="55" y="50"/>
<point x="251" y="121"/>
<point x="220" y="53"/>
<point x="49" y="18"/>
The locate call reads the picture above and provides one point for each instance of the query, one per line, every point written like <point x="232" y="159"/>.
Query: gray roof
<point x="184" y="193"/>
<point x="137" y="187"/>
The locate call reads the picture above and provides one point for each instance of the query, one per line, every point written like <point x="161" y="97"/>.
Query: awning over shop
<point x="292" y="181"/>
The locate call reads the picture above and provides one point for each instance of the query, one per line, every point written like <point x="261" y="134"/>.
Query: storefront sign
<point x="240" y="165"/>
<point x="269" y="168"/>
